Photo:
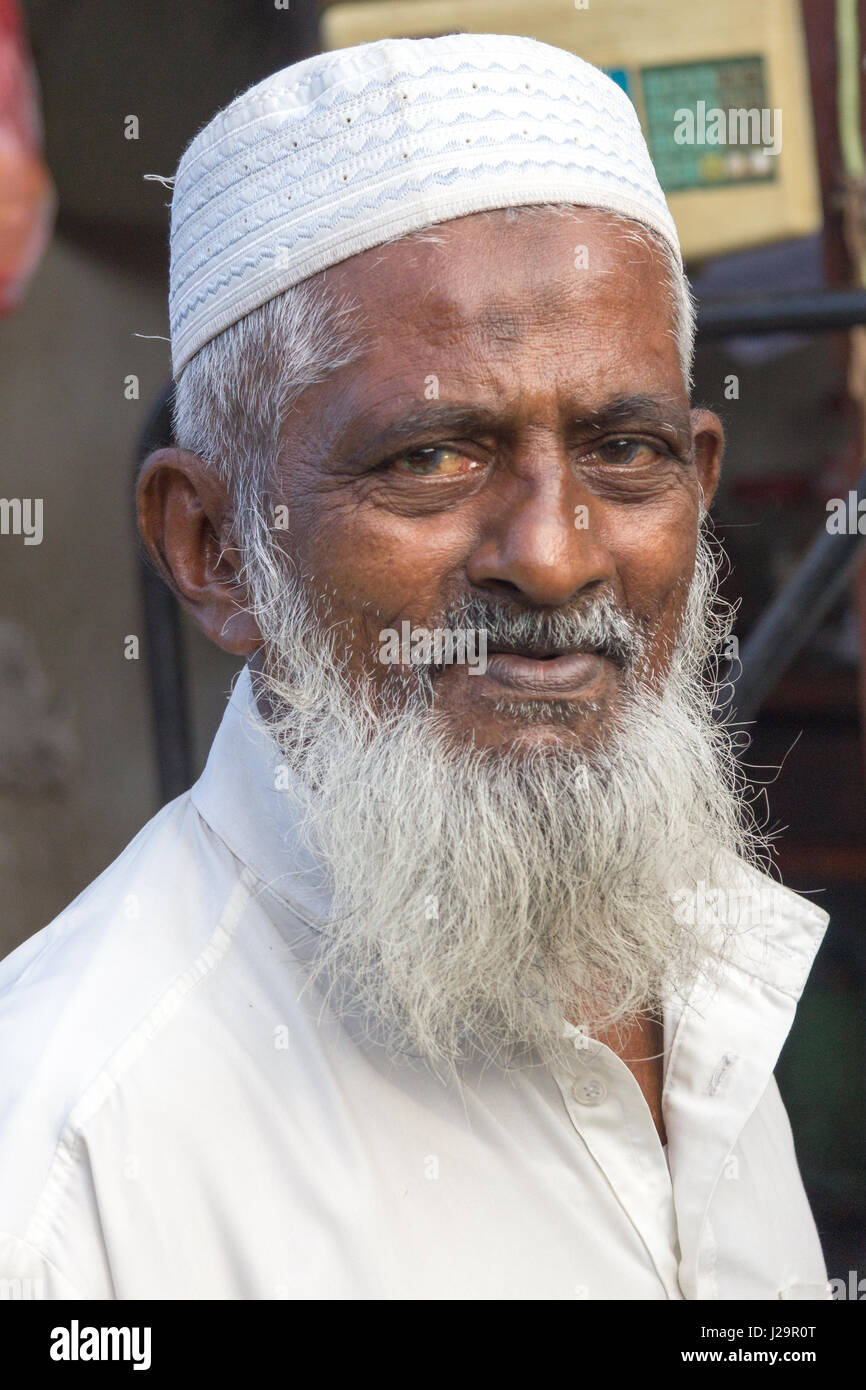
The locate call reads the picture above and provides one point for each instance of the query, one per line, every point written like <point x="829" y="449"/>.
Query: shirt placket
<point x="609" y="1112"/>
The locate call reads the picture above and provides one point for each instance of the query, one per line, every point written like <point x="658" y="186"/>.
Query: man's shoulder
<point x="143" y="912"/>
<point x="73" y="993"/>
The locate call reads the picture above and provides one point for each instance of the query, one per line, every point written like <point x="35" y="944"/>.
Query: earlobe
<point x="184" y="516"/>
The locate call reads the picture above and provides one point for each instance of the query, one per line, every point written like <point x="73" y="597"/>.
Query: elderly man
<point x="458" y="973"/>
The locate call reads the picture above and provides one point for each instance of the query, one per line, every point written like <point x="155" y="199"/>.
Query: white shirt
<point x="178" y="1123"/>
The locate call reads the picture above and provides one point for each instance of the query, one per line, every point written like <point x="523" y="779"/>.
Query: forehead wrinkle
<point x="500" y="326"/>
<point x="459" y="310"/>
<point x="446" y="323"/>
<point x="499" y="322"/>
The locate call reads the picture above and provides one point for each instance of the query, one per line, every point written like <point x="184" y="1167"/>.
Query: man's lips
<point x="566" y="673"/>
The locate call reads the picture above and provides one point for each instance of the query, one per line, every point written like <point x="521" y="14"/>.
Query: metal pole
<point x="798" y="609"/>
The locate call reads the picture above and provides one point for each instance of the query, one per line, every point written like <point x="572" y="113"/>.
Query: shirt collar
<point x="720" y="1053"/>
<point x="242" y="796"/>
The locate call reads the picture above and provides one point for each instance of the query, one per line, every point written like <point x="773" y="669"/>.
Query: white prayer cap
<point x="350" y="148"/>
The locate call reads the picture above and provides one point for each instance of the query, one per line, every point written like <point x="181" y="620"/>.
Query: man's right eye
<point x="435" y="461"/>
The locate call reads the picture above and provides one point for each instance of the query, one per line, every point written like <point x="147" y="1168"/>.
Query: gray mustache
<point x="599" y="627"/>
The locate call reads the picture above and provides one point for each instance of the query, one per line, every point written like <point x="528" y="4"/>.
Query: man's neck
<point x="640" y="1044"/>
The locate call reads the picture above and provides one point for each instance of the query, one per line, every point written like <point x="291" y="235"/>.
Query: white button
<point x="590" y="1091"/>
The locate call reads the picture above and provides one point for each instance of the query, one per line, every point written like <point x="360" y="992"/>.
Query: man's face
<point x="514" y="436"/>
<point x="516" y="430"/>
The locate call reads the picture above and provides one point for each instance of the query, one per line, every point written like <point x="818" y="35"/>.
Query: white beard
<point x="479" y="897"/>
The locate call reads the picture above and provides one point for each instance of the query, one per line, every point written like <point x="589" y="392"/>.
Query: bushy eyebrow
<point x="628" y="411"/>
<point x="438" y="420"/>
<point x="435" y="420"/>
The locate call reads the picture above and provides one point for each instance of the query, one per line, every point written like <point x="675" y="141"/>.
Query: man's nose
<point x="541" y="540"/>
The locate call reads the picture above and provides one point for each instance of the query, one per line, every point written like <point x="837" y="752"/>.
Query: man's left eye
<point x="625" y="451"/>
<point x="435" y="461"/>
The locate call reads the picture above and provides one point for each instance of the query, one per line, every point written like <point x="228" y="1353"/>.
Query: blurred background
<point x="109" y="699"/>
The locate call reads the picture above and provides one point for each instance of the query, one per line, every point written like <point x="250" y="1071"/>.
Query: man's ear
<point x="185" y="516"/>
<point x="708" y="438"/>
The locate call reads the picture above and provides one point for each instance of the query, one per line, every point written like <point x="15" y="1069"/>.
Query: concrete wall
<point x="77" y="776"/>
